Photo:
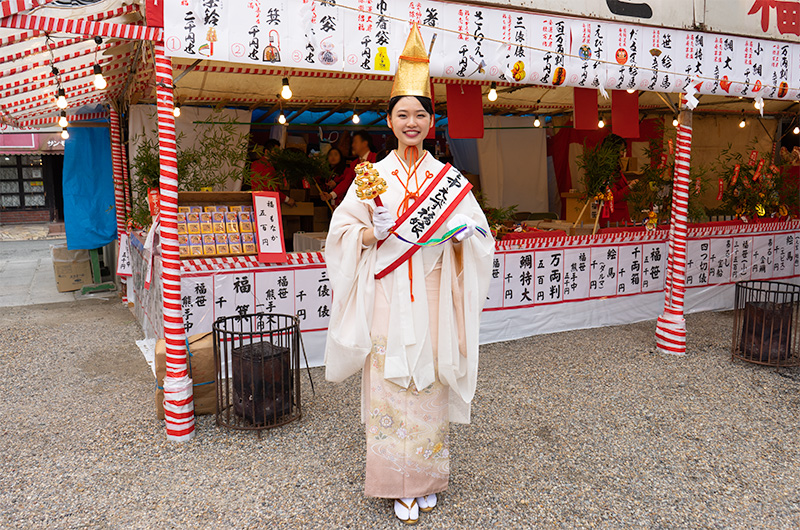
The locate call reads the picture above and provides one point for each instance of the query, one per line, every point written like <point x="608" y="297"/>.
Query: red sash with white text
<point x="421" y="221"/>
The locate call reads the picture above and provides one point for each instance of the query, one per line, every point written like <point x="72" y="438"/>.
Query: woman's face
<point x="334" y="157"/>
<point x="410" y="122"/>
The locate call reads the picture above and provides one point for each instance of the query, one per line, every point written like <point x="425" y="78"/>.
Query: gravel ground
<point x="573" y="430"/>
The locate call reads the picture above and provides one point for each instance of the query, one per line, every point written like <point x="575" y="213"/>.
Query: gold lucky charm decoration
<point x="369" y="183"/>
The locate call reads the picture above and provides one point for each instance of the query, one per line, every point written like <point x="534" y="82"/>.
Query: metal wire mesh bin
<point x="765" y="323"/>
<point x="258" y="370"/>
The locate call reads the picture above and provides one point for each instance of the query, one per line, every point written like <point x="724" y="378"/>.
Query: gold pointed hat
<point x="413" y="68"/>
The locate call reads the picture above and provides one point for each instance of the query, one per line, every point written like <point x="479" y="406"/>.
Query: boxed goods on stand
<point x="218" y="224"/>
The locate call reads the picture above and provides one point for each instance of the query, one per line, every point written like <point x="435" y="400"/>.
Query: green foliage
<point x="496" y="216"/>
<point x="600" y="166"/>
<point x="294" y="166"/>
<point x="218" y="155"/>
<point x="770" y="195"/>
<point x="653" y="191"/>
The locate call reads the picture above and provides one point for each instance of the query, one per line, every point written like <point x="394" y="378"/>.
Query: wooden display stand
<point x="290" y="215"/>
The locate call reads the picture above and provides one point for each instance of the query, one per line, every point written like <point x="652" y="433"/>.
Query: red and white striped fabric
<point x="248" y="262"/>
<point x="82" y="27"/>
<point x="126" y="181"/>
<point x="54" y="119"/>
<point x="178" y="404"/>
<point x="671" y="326"/>
<point x="12" y="7"/>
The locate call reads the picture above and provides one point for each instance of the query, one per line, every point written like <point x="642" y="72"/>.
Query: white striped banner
<point x="177" y="384"/>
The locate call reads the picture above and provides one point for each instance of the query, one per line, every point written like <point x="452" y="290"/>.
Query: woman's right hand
<point x="383" y="222"/>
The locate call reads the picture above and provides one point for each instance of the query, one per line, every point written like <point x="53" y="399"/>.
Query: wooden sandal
<point x="409" y="511"/>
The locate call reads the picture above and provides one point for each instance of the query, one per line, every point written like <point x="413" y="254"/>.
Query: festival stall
<point x="543" y="64"/>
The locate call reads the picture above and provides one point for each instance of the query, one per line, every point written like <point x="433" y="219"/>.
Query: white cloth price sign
<point x="124" y="267"/>
<point x="269" y="228"/>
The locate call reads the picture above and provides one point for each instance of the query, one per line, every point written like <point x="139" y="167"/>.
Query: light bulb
<point x="742" y="124"/>
<point x="631" y="90"/>
<point x="601" y="123"/>
<point x="356" y="119"/>
<point x="536" y="122"/>
<point x="492" y="96"/>
<point x="674" y="122"/>
<point x="281" y="119"/>
<point x="64" y="134"/>
<point x="61" y="100"/>
<point x="796" y="130"/>
<point x="176" y="110"/>
<point x="757" y="104"/>
<point x="286" y="92"/>
<point x="62" y="120"/>
<point x="100" y="82"/>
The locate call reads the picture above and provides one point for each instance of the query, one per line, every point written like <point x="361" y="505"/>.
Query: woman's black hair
<point x="339" y="168"/>
<point x="425" y="102"/>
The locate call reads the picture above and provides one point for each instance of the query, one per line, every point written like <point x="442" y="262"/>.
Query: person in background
<point x="262" y="172"/>
<point x="364" y="151"/>
<point x="337" y="163"/>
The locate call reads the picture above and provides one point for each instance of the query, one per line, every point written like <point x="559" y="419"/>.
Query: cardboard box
<point x="73" y="268"/>
<point x="203" y="369"/>
<point x="222" y="248"/>
<point x="629" y="163"/>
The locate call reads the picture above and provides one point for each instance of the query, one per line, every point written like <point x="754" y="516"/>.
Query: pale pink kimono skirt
<point x="408" y="451"/>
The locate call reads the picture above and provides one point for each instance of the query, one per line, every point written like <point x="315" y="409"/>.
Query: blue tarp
<point x="89" y="213"/>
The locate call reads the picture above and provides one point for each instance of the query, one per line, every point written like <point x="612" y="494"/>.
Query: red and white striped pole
<point x="178" y="401"/>
<point x="671" y="326"/>
<point x="126" y="182"/>
<point x="119" y="187"/>
<point x="116" y="162"/>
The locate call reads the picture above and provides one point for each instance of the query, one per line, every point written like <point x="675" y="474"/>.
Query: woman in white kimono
<point x="414" y="329"/>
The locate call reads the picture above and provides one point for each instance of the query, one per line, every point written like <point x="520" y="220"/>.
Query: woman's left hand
<point x="460" y="219"/>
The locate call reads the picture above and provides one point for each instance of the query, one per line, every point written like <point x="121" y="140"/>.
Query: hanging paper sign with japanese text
<point x="269" y="228"/>
<point x="484" y="43"/>
<point x="124" y="267"/>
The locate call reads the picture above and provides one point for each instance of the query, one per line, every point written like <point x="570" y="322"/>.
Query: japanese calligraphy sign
<point x="124" y="266"/>
<point x="495" y="296"/>
<point x="629" y="270"/>
<point x="550" y="41"/>
<point x="197" y="303"/>
<point x="697" y="262"/>
<point x="312" y="298"/>
<point x="719" y="270"/>
<point x="233" y="294"/>
<point x="654" y="265"/>
<point x="495" y="43"/>
<point x="275" y="291"/>
<point x="586" y="53"/>
<point x="269" y="228"/>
